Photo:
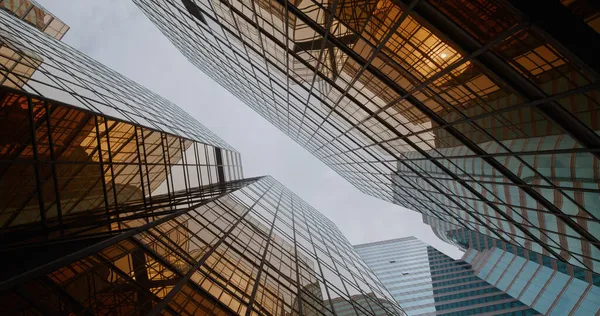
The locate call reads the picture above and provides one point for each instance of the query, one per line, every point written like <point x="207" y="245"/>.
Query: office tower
<point x="426" y="282"/>
<point x="256" y="249"/>
<point x="550" y="286"/>
<point x="115" y="201"/>
<point x="100" y="138"/>
<point x="483" y="113"/>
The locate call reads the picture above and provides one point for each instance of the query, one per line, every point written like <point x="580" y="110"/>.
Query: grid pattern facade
<point x="550" y="290"/>
<point x="551" y="286"/>
<point x="253" y="249"/>
<point x="16" y="68"/>
<point x="468" y="240"/>
<point x="344" y="307"/>
<point x="69" y="143"/>
<point x="59" y="162"/>
<point x="39" y="64"/>
<point x="480" y="112"/>
<point x="35" y="15"/>
<point x="424" y="281"/>
<point x="130" y="206"/>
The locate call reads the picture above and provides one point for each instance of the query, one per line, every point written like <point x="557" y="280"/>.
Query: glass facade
<point x="550" y="286"/>
<point x="345" y="307"/>
<point x="77" y="136"/>
<point x="250" y="248"/>
<point x="17" y="65"/>
<point x="550" y="290"/>
<point x="589" y="14"/>
<point x="36" y="16"/>
<point x="56" y="71"/>
<point x="114" y="201"/>
<point x="60" y="164"/>
<point x="483" y="113"/>
<point x="424" y="281"/>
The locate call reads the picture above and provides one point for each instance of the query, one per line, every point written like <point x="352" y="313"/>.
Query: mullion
<point x="200" y="262"/>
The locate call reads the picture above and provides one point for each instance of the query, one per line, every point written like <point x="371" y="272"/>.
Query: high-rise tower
<point x="483" y="113"/>
<point x="550" y="286"/>
<point x="427" y="282"/>
<point x="492" y="278"/>
<point x="114" y="201"/>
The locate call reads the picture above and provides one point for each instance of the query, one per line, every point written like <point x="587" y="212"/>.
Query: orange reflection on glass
<point x="18" y="63"/>
<point x="35" y="15"/>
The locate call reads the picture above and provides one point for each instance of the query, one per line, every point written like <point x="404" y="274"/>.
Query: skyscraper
<point x="427" y="282"/>
<point x="550" y="286"/>
<point x="483" y="113"/>
<point x="115" y="201"/>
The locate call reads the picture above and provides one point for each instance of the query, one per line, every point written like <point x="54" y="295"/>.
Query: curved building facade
<point x="483" y="113"/>
<point x="114" y="201"/>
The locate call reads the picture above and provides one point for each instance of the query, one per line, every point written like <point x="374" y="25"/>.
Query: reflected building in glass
<point x="424" y="281"/>
<point x="482" y="113"/>
<point x="115" y="201"/>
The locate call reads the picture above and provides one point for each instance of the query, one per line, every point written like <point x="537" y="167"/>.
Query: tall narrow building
<point x="482" y="113"/>
<point x="114" y="201"/>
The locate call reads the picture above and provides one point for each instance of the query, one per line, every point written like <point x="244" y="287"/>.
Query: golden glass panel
<point x="33" y="14"/>
<point x="15" y="133"/>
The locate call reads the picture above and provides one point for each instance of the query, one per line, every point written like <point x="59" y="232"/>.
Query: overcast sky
<point x="117" y="34"/>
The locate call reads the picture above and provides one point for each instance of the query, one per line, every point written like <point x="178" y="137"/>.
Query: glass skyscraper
<point x="114" y="201"/>
<point x="550" y="286"/>
<point x="427" y="282"/>
<point x="482" y="113"/>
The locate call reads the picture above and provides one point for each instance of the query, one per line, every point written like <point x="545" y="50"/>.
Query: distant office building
<point x="550" y="286"/>
<point x="424" y="281"/>
<point x="114" y="201"/>
<point x="484" y="113"/>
